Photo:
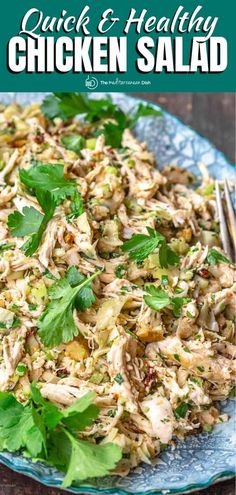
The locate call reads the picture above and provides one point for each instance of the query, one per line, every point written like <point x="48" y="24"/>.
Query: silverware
<point x="227" y="218"/>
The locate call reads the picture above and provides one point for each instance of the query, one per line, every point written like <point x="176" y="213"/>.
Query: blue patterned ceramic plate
<point x="199" y="460"/>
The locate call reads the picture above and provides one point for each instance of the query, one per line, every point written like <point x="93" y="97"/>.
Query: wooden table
<point x="212" y="115"/>
<point x="17" y="484"/>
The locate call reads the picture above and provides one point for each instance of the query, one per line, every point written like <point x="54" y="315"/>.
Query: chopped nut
<point x="69" y="238"/>
<point x="150" y="335"/>
<point x="18" y="143"/>
<point x="185" y="234"/>
<point x="78" y="349"/>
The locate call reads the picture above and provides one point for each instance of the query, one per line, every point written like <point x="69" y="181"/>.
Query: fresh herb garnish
<point x="111" y="413"/>
<point x="164" y="280"/>
<point x="47" y="177"/>
<point x="56" y="324"/>
<point x="142" y="110"/>
<point x="186" y="349"/>
<point x="31" y="222"/>
<point x="201" y="368"/>
<point x="7" y="245"/>
<point x="25" y="223"/>
<point x="207" y="190"/>
<point x="47" y="183"/>
<point x="42" y="431"/>
<point x="177" y="357"/>
<point x="64" y="105"/>
<point x="16" y="322"/>
<point x="120" y="271"/>
<point x="215" y="257"/>
<point x="21" y="369"/>
<point x="74" y="143"/>
<point x="158" y="299"/>
<point x="8" y="130"/>
<point x="32" y="307"/>
<point x="113" y="132"/>
<point x="181" y="410"/>
<point x="119" y="379"/>
<point x="141" y="245"/>
<point x="167" y="256"/>
<point x="76" y="207"/>
<point x="107" y="117"/>
<point x="189" y="315"/>
<point x="49" y="275"/>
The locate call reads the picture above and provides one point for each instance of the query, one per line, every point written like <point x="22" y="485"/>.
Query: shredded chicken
<point x="156" y="370"/>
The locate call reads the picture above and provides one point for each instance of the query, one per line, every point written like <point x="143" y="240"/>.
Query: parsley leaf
<point x="177" y="303"/>
<point x="167" y="256"/>
<point x="51" y="415"/>
<point x="142" y="110"/>
<point x="119" y="379"/>
<point x="75" y="417"/>
<point x="113" y="129"/>
<point x="215" y="257"/>
<point x="50" y="107"/>
<point x="30" y="222"/>
<point x="73" y="143"/>
<point x="25" y="223"/>
<point x="181" y="410"/>
<point x="64" y="105"/>
<point x="112" y="132"/>
<point x="47" y="183"/>
<point x="32" y="244"/>
<point x="68" y="105"/>
<point x="94" y="460"/>
<point x="42" y="431"/>
<point x="47" y="177"/>
<point x="56" y="324"/>
<point x="20" y="427"/>
<point x="77" y="206"/>
<point x="73" y="278"/>
<point x="121" y="270"/>
<point x="7" y="245"/>
<point x="141" y="245"/>
<point x="158" y="299"/>
<point x="111" y="120"/>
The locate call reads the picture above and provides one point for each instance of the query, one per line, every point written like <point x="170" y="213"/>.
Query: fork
<point x="227" y="218"/>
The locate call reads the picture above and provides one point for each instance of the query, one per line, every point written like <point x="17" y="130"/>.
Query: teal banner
<point x="129" y="46"/>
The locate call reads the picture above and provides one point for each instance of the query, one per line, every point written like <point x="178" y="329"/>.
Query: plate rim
<point x="156" y="106"/>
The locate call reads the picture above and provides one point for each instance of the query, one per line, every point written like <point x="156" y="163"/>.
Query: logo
<point x="91" y="82"/>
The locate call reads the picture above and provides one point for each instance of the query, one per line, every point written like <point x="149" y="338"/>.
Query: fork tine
<point x="230" y="214"/>
<point x="223" y="225"/>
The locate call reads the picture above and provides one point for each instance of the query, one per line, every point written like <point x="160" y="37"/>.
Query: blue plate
<point x="199" y="460"/>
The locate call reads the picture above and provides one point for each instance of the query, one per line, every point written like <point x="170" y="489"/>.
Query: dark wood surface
<point x="16" y="484"/>
<point x="212" y="115"/>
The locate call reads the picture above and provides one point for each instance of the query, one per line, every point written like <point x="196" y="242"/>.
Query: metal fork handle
<point x="231" y="215"/>
<point x="223" y="225"/>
